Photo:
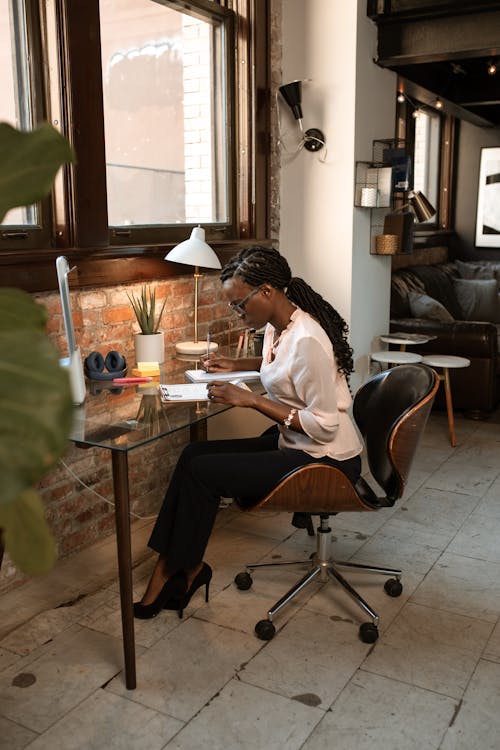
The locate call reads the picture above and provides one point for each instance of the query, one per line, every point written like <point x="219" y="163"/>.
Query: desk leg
<point x="449" y="406"/>
<point x="198" y="431"/>
<point x="122" y="520"/>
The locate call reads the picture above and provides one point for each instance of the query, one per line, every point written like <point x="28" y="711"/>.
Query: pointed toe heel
<point x="176" y="586"/>
<point x="202" y="579"/>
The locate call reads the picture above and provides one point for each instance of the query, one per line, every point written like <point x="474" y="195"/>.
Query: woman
<point x="305" y="363"/>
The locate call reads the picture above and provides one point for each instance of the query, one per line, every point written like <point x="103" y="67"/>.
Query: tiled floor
<point x="431" y="681"/>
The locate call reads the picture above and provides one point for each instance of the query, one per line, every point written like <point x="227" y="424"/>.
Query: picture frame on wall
<point x="488" y="199"/>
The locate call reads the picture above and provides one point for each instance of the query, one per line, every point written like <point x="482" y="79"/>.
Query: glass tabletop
<point x="127" y="417"/>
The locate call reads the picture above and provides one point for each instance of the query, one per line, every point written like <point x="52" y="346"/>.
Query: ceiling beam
<point x="406" y="41"/>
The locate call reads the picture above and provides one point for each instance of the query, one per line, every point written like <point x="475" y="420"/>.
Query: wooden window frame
<point x="81" y="230"/>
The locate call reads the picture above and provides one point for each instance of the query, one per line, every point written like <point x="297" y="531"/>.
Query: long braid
<point x="257" y="265"/>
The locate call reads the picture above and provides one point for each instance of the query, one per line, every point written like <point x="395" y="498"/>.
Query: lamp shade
<point x="292" y="94"/>
<point x="423" y="209"/>
<point x="194" y="251"/>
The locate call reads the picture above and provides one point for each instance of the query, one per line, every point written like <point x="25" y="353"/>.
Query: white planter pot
<point x="149" y="347"/>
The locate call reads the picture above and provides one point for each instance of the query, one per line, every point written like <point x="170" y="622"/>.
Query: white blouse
<point x="303" y="375"/>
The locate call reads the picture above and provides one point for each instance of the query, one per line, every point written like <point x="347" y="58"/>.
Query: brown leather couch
<point x="475" y="389"/>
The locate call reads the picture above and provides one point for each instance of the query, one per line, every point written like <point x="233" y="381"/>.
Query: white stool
<point x="396" y="358"/>
<point x="445" y="361"/>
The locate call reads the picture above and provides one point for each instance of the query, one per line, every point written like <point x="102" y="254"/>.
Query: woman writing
<point x="305" y="363"/>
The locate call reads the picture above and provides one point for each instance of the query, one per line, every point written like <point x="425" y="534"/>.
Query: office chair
<point x="391" y="410"/>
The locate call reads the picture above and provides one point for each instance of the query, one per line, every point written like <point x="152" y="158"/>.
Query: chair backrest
<point x="391" y="410"/>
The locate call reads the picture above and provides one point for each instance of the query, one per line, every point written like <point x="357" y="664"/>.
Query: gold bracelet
<point x="288" y="421"/>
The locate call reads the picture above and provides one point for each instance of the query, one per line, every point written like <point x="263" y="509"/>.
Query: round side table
<point x="445" y="362"/>
<point x="396" y="358"/>
<point x="411" y="339"/>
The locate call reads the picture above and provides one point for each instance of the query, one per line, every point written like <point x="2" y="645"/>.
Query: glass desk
<point x="121" y="420"/>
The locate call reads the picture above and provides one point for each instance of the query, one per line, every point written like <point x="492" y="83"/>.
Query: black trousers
<point x="206" y="471"/>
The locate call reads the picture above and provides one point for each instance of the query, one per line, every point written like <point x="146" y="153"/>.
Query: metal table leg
<point x="122" y="520"/>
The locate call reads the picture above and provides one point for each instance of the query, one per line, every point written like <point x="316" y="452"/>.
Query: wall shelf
<point x="381" y="186"/>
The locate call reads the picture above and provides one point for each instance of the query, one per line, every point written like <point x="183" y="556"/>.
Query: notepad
<point x="183" y="392"/>
<point x="200" y="376"/>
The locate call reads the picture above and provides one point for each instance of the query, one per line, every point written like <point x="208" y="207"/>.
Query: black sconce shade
<point x="292" y="94"/>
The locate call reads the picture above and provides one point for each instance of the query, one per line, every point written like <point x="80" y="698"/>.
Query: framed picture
<point x="488" y="199"/>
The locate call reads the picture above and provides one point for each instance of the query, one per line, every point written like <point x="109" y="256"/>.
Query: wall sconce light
<point x="438" y="103"/>
<point x="313" y="138"/>
<point x="492" y="68"/>
<point x="421" y="207"/>
<point x="195" y="252"/>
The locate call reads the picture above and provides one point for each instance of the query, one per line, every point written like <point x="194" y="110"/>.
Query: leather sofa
<point x="475" y="389"/>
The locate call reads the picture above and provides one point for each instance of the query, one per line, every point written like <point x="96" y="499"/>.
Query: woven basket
<point x="386" y="244"/>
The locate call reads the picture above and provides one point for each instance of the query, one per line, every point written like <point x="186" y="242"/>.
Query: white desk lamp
<point x="195" y="252"/>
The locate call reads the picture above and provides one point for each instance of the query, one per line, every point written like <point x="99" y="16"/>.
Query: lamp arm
<point x="197" y="277"/>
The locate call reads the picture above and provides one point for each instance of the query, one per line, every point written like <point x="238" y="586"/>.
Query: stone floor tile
<point x="243" y="717"/>
<point x="316" y="674"/>
<point x="477" y="724"/>
<point x="431" y="649"/>
<point x="463" y="585"/>
<point x="184" y="670"/>
<point x="492" y="648"/>
<point x="459" y="476"/>
<point x="105" y="720"/>
<point x="478" y="538"/>
<point x="70" y="668"/>
<point x="13" y="736"/>
<point x="401" y="717"/>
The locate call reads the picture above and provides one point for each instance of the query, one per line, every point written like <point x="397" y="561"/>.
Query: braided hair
<point x="257" y="265"/>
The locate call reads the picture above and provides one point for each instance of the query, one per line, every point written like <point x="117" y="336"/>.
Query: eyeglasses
<point x="239" y="307"/>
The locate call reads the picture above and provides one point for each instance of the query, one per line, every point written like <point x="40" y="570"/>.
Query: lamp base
<point x="195" y="347"/>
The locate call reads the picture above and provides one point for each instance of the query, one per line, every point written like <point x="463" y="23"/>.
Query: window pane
<point x="164" y="112"/>
<point x="426" y="156"/>
<point x="14" y="85"/>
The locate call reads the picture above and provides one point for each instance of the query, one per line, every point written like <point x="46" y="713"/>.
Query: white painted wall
<point x="325" y="238"/>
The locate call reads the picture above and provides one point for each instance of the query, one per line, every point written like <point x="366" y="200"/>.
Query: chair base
<point x="324" y="569"/>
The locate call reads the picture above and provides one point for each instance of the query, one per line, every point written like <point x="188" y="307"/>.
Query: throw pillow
<point x="423" y="306"/>
<point x="478" y="298"/>
<point x="477" y="270"/>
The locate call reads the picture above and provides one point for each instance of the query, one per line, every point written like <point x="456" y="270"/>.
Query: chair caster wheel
<point x="368" y="632"/>
<point x="265" y="630"/>
<point x="243" y="581"/>
<point x="393" y="587"/>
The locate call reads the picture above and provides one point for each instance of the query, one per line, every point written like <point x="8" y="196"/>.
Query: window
<point x="165" y="94"/>
<point x="17" y="107"/>
<point x="426" y="156"/>
<point x="430" y="137"/>
<point x="166" y="105"/>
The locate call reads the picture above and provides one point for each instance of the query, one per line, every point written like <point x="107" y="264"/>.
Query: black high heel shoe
<point x="180" y="603"/>
<point x="176" y="586"/>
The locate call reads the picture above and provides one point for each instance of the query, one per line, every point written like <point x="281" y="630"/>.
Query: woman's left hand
<point x="222" y="392"/>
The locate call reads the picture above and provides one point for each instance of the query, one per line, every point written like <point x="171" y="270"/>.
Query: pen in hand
<point x="207" y="363"/>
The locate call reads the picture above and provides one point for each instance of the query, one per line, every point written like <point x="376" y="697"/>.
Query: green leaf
<point x="26" y="535"/>
<point x="36" y="409"/>
<point x="29" y="162"/>
<point x="17" y="311"/>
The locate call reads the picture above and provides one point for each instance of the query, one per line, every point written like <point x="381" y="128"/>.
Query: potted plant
<point x="149" y="343"/>
<point x="36" y="410"/>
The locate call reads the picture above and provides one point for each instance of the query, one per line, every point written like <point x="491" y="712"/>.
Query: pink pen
<point x="124" y="381"/>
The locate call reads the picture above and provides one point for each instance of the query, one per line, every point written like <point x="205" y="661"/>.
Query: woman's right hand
<point x="215" y="363"/>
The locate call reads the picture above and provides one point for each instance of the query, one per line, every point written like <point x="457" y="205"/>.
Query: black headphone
<point x="115" y="364"/>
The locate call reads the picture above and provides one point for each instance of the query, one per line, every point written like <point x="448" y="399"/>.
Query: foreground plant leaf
<point x="35" y="400"/>
<point x="29" y="162"/>
<point x="26" y="536"/>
